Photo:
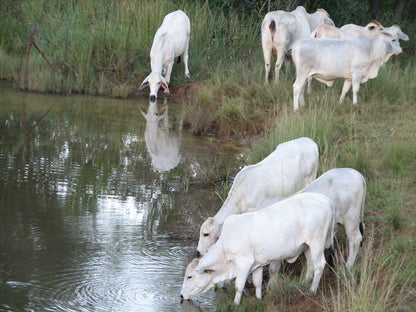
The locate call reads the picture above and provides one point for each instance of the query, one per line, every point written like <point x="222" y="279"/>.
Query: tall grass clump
<point x="321" y="126"/>
<point x="373" y="285"/>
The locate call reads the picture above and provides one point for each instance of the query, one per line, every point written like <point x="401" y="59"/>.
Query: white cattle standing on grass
<point x="290" y="167"/>
<point x="346" y="32"/>
<point x="346" y="187"/>
<point x="280" y="30"/>
<point x="301" y="223"/>
<point x="326" y="60"/>
<point x="171" y="41"/>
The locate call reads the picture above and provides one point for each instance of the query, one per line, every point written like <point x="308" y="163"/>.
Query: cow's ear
<point x="403" y="36"/>
<point x="143" y="110"/>
<point x="165" y="85"/>
<point x="145" y="83"/>
<point x="389" y="47"/>
<point x="162" y="110"/>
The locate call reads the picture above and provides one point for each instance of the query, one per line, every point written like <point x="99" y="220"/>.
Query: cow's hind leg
<point x="258" y="280"/>
<point x="279" y="61"/>
<point x="309" y="265"/>
<point x="185" y="61"/>
<point x="354" y="240"/>
<point x="267" y="54"/>
<point x="318" y="262"/>
<point x="274" y="268"/>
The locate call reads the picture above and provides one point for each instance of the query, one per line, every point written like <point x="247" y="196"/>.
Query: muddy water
<point x="94" y="215"/>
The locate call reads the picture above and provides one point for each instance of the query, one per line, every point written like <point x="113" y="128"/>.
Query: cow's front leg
<point x="345" y="88"/>
<point x="242" y="272"/>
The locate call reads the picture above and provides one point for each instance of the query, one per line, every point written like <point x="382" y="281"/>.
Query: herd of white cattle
<point x="318" y="49"/>
<point x="277" y="209"/>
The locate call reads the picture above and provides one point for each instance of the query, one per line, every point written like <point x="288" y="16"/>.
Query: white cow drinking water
<point x="171" y="41"/>
<point x="249" y="241"/>
<point x="346" y="187"/>
<point x="291" y="166"/>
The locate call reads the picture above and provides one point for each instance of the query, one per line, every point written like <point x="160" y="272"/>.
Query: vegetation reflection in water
<point x="87" y="220"/>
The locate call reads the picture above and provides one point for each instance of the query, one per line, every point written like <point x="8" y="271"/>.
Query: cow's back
<point x="174" y="32"/>
<point x="346" y="188"/>
<point x="268" y="234"/>
<point x="290" y="167"/>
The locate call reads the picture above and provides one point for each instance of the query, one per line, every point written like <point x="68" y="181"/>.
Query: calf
<point x="301" y="223"/>
<point x="291" y="166"/>
<point x="171" y="41"/>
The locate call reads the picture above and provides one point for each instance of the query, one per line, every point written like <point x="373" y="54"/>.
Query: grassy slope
<point x="378" y="138"/>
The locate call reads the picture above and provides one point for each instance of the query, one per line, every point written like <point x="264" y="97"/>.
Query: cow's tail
<point x="362" y="225"/>
<point x="272" y="28"/>
<point x="330" y="239"/>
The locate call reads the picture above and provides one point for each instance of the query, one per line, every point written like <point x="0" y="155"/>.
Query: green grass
<point x="377" y="137"/>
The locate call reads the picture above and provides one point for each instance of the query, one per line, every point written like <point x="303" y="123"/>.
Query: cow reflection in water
<point x="162" y="142"/>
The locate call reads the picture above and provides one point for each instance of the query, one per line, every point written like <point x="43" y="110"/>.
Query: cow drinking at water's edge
<point x="171" y="41"/>
<point x="249" y="241"/>
<point x="290" y="167"/>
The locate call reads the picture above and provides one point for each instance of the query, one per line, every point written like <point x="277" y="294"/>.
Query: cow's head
<point x="202" y="274"/>
<point x="152" y="114"/>
<point x="208" y="235"/>
<point x="374" y="28"/>
<point x="154" y="81"/>
<point x="396" y="32"/>
<point x="392" y="45"/>
<point x="196" y="280"/>
<point x="322" y="19"/>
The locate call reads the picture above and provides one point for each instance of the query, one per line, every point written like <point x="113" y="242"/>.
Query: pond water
<point x="95" y="211"/>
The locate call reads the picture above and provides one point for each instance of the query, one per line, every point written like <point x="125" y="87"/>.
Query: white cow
<point x="371" y="30"/>
<point x="291" y="166"/>
<point x="162" y="144"/>
<point x="349" y="31"/>
<point x="171" y="41"/>
<point x="301" y="223"/>
<point x="346" y="187"/>
<point x="396" y="32"/>
<point x="280" y="30"/>
<point x="346" y="32"/>
<point x="326" y="60"/>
